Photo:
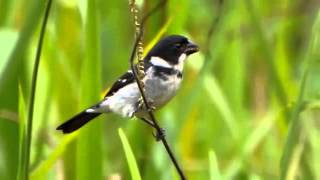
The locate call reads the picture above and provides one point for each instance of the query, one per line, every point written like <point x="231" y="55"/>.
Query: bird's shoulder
<point x="125" y="79"/>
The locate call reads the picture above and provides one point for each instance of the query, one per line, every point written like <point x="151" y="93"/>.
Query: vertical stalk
<point x="138" y="73"/>
<point x="89" y="157"/>
<point x="33" y="91"/>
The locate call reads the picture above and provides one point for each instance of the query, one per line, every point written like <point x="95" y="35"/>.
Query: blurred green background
<point x="248" y="107"/>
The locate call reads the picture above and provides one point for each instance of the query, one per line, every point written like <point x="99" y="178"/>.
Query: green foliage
<point x="46" y="165"/>
<point x="294" y="146"/>
<point x="89" y="144"/>
<point x="21" y="172"/>
<point x="135" y="174"/>
<point x="254" y="100"/>
<point x="213" y="164"/>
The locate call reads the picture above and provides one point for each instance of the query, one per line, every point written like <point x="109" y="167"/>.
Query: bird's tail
<point x="77" y="121"/>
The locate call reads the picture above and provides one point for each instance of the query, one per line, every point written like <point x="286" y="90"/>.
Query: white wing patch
<point x="90" y="110"/>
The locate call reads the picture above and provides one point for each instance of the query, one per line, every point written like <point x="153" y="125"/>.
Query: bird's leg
<point x="157" y="135"/>
<point x="141" y="105"/>
<point x="151" y="106"/>
<point x="150" y="123"/>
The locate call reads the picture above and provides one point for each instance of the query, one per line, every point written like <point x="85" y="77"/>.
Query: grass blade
<point x="293" y="168"/>
<point x="157" y="37"/>
<point x="9" y="76"/>
<point x="42" y="170"/>
<point x="295" y="127"/>
<point x="89" y="160"/>
<point x="255" y="138"/>
<point x="217" y="97"/>
<point x="267" y="53"/>
<point x="22" y="131"/>
<point x="135" y="174"/>
<point x="8" y="39"/>
<point x="33" y="91"/>
<point x="214" y="168"/>
<point x="260" y="132"/>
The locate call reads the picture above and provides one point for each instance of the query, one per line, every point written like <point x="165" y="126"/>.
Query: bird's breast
<point x="161" y="89"/>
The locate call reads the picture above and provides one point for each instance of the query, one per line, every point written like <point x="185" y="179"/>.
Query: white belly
<point x="123" y="102"/>
<point x="158" y="91"/>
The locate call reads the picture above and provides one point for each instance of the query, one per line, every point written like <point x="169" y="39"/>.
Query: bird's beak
<point x="191" y="48"/>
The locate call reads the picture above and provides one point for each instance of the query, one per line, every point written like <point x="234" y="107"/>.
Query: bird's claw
<point x="151" y="108"/>
<point x="141" y="105"/>
<point x="159" y="135"/>
<point x="151" y="105"/>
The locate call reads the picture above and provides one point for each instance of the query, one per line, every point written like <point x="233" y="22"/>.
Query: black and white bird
<point x="163" y="74"/>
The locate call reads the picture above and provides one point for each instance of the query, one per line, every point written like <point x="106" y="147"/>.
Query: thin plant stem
<point x="140" y="86"/>
<point x="296" y="124"/>
<point x="151" y="12"/>
<point x="153" y="119"/>
<point x="212" y="29"/>
<point x="33" y="88"/>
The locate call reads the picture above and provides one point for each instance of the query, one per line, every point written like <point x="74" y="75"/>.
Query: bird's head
<point x="172" y="48"/>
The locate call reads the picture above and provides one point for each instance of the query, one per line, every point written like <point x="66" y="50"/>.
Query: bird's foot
<point x="159" y="135"/>
<point x="151" y="108"/>
<point x="141" y="105"/>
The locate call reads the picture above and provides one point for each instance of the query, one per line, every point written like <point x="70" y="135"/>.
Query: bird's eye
<point x="178" y="46"/>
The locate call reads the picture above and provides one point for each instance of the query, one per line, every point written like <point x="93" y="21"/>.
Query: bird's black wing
<point x="125" y="79"/>
<point x="84" y="117"/>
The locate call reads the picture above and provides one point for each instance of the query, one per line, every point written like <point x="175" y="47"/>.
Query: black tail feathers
<point x="77" y="121"/>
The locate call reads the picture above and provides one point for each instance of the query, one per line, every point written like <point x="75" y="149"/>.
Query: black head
<point x="172" y="47"/>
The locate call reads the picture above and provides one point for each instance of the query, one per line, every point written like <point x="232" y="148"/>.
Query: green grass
<point x="89" y="144"/>
<point x="134" y="170"/>
<point x="293" y="144"/>
<point x="254" y="100"/>
<point x="213" y="164"/>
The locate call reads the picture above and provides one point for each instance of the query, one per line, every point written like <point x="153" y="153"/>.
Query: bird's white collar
<point x="157" y="61"/>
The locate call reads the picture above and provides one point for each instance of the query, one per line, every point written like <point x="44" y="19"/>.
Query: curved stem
<point x="33" y="88"/>
<point x="153" y="119"/>
<point x="140" y="86"/>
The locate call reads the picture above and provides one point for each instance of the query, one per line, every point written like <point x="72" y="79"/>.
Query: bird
<point x="163" y="67"/>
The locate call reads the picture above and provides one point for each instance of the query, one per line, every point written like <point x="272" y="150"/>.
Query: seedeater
<point x="163" y="75"/>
